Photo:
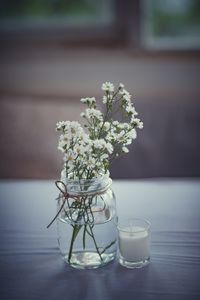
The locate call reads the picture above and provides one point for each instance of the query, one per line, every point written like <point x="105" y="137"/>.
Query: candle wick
<point x="131" y="227"/>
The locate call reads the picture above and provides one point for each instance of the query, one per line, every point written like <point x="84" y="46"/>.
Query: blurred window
<point x="171" y="24"/>
<point x="20" y="14"/>
<point x="144" y="24"/>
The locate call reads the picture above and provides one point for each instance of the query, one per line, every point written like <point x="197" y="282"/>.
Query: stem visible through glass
<point x="84" y="212"/>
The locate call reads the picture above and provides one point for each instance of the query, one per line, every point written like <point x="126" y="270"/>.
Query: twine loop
<point x="66" y="196"/>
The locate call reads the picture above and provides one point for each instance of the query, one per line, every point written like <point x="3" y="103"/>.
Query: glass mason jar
<point x="86" y="224"/>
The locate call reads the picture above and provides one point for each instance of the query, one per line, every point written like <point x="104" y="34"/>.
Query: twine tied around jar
<point x="66" y="196"/>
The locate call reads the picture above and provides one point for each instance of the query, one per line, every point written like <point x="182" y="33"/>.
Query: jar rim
<point x="87" y="186"/>
<point x="91" y="180"/>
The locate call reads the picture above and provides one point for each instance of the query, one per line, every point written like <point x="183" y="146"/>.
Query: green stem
<point x="97" y="249"/>
<point x="76" y="229"/>
<point x="107" y="247"/>
<point x="84" y="235"/>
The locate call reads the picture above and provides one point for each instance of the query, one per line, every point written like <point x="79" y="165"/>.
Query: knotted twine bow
<point x="66" y="196"/>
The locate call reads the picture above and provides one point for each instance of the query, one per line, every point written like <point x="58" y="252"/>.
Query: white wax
<point x="134" y="243"/>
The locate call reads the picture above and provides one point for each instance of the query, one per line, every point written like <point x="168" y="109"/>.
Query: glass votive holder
<point x="134" y="242"/>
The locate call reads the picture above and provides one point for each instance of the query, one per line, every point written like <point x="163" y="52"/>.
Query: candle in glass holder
<point x="134" y="243"/>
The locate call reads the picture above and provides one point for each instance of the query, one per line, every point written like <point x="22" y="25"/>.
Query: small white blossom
<point x="61" y="146"/>
<point x="60" y="125"/>
<point x="89" y="100"/>
<point x="126" y="96"/>
<point x="105" y="99"/>
<point x="132" y="134"/>
<point x="98" y="164"/>
<point x="110" y="137"/>
<point x="115" y="123"/>
<point x="138" y="123"/>
<point x="123" y="126"/>
<point x="65" y="138"/>
<point x="129" y="141"/>
<point x="106" y="126"/>
<point x="74" y="128"/>
<point x="130" y="109"/>
<point x="121" y="136"/>
<point x="108" y="87"/>
<point x="91" y="162"/>
<point x="121" y="92"/>
<point x="93" y="113"/>
<point x="109" y="147"/>
<point x="104" y="156"/>
<point x="99" y="144"/>
<point x="83" y="100"/>
<point x="69" y="156"/>
<point x="80" y="149"/>
<point x="125" y="149"/>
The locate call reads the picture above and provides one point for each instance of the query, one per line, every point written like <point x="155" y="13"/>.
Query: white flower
<point x="126" y="96"/>
<point x="115" y="123"/>
<point x="109" y="147"/>
<point x="132" y="134"/>
<point x="121" y="136"/>
<point x="93" y="113"/>
<point x="138" y="123"/>
<point x="74" y="128"/>
<point x="129" y="141"/>
<point x="104" y="156"/>
<point x="125" y="149"/>
<point x="80" y="149"/>
<point x="121" y="89"/>
<point x="61" y="146"/>
<point x="84" y="137"/>
<point x="89" y="100"/>
<point x="60" y="125"/>
<point x="69" y="156"/>
<point x="130" y="109"/>
<point x="110" y="137"/>
<point x="105" y="99"/>
<point x="106" y="126"/>
<point x="83" y="100"/>
<point x="99" y="144"/>
<point x="126" y="125"/>
<point x="108" y="87"/>
<point x="91" y="162"/>
<point x="123" y="126"/>
<point x="65" y="138"/>
<point x="98" y="164"/>
<point x="63" y="142"/>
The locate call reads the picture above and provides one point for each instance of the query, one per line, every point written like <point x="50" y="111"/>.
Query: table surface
<point x="32" y="268"/>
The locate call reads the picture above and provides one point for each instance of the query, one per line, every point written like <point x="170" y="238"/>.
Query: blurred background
<point x="53" y="52"/>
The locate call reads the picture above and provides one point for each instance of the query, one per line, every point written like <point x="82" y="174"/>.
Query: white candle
<point x="134" y="243"/>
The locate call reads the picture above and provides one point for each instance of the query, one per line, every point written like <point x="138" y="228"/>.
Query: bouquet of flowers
<point x="88" y="152"/>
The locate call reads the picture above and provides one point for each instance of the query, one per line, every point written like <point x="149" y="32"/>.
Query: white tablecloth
<point x="32" y="268"/>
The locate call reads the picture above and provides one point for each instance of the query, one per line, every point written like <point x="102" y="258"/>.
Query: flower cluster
<point x="88" y="154"/>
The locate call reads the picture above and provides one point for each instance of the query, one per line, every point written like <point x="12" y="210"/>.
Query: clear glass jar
<point x="87" y="233"/>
